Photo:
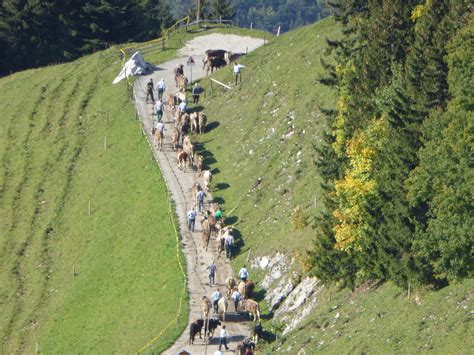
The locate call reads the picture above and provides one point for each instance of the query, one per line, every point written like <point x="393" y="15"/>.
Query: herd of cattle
<point x="186" y="123"/>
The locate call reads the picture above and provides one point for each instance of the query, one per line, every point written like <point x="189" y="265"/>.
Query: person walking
<point x="196" y="93"/>
<point x="215" y="297"/>
<point x="200" y="199"/>
<point x="149" y="92"/>
<point x="191" y="219"/>
<point x="229" y="245"/>
<point x="159" y="110"/>
<point x="243" y="274"/>
<point x="212" y="271"/>
<point x="238" y="72"/>
<point x="161" y="87"/>
<point x="236" y="299"/>
<point x="223" y="338"/>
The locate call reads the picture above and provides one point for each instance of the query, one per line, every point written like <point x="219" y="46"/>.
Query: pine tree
<point x="222" y="9"/>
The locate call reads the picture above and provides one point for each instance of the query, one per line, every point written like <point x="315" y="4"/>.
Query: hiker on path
<point x="243" y="274"/>
<point x="215" y="297"/>
<point x="223" y="338"/>
<point x="191" y="219"/>
<point x="218" y="214"/>
<point x="159" y="134"/>
<point x="149" y="91"/>
<point x="229" y="245"/>
<point x="196" y="93"/>
<point x="212" y="271"/>
<point x="161" y="87"/>
<point x="182" y="107"/>
<point x="236" y="299"/>
<point x="238" y="72"/>
<point x="159" y="110"/>
<point x="200" y="200"/>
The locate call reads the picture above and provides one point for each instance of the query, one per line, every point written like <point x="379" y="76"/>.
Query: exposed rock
<point x="277" y="295"/>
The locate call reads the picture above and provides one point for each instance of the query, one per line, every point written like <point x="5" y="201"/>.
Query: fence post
<point x="278" y="32"/>
<point x="251" y="25"/>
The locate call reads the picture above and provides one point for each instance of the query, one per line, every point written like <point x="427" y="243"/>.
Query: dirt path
<point x="180" y="183"/>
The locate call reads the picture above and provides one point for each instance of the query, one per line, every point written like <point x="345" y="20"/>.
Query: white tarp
<point x="136" y="65"/>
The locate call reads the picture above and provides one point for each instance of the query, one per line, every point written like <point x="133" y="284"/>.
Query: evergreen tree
<point x="222" y="9"/>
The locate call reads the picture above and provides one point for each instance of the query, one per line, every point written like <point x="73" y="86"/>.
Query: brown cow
<point x="229" y="285"/>
<point x="205" y="307"/>
<point x="175" y="138"/>
<point x="181" y="82"/>
<point x="242" y="289"/>
<point x="206" y="232"/>
<point x="251" y="307"/>
<point x="214" y="63"/>
<point x="220" y="53"/>
<point x="202" y="122"/>
<point x="195" y="189"/>
<point x="181" y="158"/>
<point x="199" y="161"/>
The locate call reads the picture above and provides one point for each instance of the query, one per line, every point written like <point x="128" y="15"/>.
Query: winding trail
<point x="180" y="184"/>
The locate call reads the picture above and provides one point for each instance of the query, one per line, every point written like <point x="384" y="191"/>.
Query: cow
<point x="199" y="161"/>
<point x="242" y="289"/>
<point x="175" y="138"/>
<point x="207" y="175"/>
<point x="186" y="140"/>
<point x="194" y="329"/>
<point x="194" y="122"/>
<point x="158" y="136"/>
<point x="244" y="345"/>
<point x="223" y="305"/>
<point x="214" y="63"/>
<point x="220" y="53"/>
<point x="181" y="82"/>
<point x="205" y="307"/>
<point x="213" y="324"/>
<point x="251" y="307"/>
<point x="249" y="286"/>
<point x="229" y="286"/>
<point x="171" y="102"/>
<point x="257" y="332"/>
<point x="206" y="232"/>
<point x="195" y="189"/>
<point x="181" y="158"/>
<point x="202" y="120"/>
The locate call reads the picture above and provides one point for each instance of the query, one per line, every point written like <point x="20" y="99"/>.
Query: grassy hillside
<point x="267" y="130"/>
<point x="70" y="137"/>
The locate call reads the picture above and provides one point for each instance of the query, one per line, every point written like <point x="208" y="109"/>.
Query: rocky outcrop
<point x="289" y="298"/>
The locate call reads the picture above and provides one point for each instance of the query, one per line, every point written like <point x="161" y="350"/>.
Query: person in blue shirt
<point x="243" y="274"/>
<point x="197" y="90"/>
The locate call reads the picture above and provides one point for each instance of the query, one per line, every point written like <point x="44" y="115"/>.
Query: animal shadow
<point x="197" y="108"/>
<point x="212" y="125"/>
<point x="218" y="200"/>
<point x="231" y="220"/>
<point x="222" y="186"/>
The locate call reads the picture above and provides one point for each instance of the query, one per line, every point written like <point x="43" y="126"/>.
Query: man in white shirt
<point x="236" y="298"/>
<point x="159" y="110"/>
<point x="238" y="72"/>
<point x="223" y="338"/>
<point x="191" y="219"/>
<point x="161" y="87"/>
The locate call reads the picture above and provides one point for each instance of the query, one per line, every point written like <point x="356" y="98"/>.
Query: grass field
<point x="88" y="253"/>
<point x="261" y="150"/>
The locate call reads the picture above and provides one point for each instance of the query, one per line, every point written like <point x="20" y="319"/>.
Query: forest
<point x="397" y="160"/>
<point x="34" y="33"/>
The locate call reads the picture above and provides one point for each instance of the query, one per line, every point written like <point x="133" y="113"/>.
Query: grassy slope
<point x="280" y="82"/>
<point x="53" y="127"/>
<point x="53" y="161"/>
